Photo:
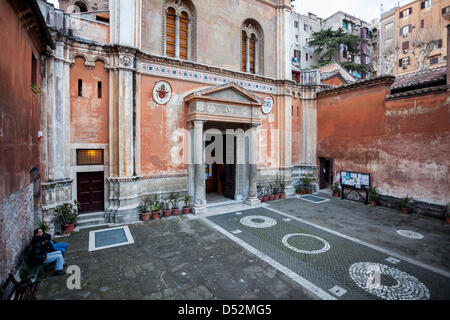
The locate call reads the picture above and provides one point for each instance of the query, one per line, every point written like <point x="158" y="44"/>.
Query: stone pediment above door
<point x="225" y="103"/>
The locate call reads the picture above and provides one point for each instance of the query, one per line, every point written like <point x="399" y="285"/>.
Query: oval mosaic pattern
<point x="258" y="221"/>
<point x="410" y="234"/>
<point x="326" y="245"/>
<point x="407" y="287"/>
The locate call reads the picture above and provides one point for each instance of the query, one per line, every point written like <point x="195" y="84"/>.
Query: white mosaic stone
<point x="326" y="245"/>
<point x="287" y="219"/>
<point x="367" y="276"/>
<point x="266" y="223"/>
<point x="239" y="213"/>
<point x="410" y="234"/>
<point x="236" y="231"/>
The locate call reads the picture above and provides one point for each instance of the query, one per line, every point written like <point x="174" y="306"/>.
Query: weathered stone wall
<point x="403" y="142"/>
<point x="17" y="222"/>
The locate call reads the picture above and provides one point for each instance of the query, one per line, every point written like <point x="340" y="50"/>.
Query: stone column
<point x="199" y="165"/>
<point x="252" y="199"/>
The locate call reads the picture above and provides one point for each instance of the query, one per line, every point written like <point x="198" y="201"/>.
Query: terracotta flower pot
<point x="68" y="227"/>
<point x="176" y="211"/>
<point x="373" y="203"/>
<point x="406" y="210"/>
<point x="336" y="195"/>
<point x="186" y="210"/>
<point x="166" y="213"/>
<point x="309" y="191"/>
<point x="260" y="199"/>
<point x="265" y="198"/>
<point x="155" y="215"/>
<point x="271" y="198"/>
<point x="277" y="196"/>
<point x="282" y="195"/>
<point x="145" y="216"/>
<point x="447" y="219"/>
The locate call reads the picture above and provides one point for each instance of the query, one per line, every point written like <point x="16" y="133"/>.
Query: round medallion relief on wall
<point x="162" y="92"/>
<point x="267" y="105"/>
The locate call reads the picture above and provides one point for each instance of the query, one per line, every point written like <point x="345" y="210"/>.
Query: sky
<point x="362" y="9"/>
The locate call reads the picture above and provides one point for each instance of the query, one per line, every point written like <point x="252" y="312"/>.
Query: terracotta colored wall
<point x="19" y="107"/>
<point x="89" y="115"/>
<point x="269" y="135"/>
<point x="19" y="145"/>
<point x="159" y="123"/>
<point x="335" y="81"/>
<point x="403" y="143"/>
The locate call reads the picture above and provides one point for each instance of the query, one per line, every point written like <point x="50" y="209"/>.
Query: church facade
<point x="136" y="97"/>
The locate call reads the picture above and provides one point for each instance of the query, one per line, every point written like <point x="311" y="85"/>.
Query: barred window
<point x="86" y="157"/>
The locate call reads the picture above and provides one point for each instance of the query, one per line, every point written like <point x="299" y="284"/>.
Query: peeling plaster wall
<point x="89" y="115"/>
<point x="19" y="145"/>
<point x="221" y="25"/>
<point x="403" y="143"/>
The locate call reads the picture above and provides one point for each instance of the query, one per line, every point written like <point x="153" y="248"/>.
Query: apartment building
<point x="412" y="37"/>
<point x="305" y="57"/>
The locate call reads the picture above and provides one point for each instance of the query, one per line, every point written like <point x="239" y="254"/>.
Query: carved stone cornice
<point x="53" y="184"/>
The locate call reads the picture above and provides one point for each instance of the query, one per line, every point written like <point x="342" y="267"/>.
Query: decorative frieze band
<point x="159" y="176"/>
<point x="203" y="77"/>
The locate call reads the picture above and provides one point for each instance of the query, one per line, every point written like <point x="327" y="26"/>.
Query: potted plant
<point x="307" y="179"/>
<point x="144" y="209"/>
<point x="187" y="204"/>
<point x="282" y="191"/>
<point x="299" y="190"/>
<point x="173" y="197"/>
<point x="43" y="226"/>
<point x="275" y="192"/>
<point x="67" y="214"/>
<point x="406" y="204"/>
<point x="373" y="196"/>
<point x="166" y="207"/>
<point x="270" y="189"/>
<point x="155" y="213"/>
<point x="336" y="190"/>
<point x="266" y="194"/>
<point x="259" y="189"/>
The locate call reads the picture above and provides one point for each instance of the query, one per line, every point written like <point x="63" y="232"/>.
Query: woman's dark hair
<point x="36" y="231"/>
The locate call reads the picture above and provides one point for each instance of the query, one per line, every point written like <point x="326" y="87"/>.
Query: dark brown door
<point x="322" y="174"/>
<point x="90" y="191"/>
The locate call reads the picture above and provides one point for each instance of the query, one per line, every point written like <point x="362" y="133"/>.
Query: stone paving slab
<point x="175" y="258"/>
<point x="328" y="260"/>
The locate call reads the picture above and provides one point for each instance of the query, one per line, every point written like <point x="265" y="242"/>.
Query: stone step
<point x="90" y="222"/>
<point x="89" y="216"/>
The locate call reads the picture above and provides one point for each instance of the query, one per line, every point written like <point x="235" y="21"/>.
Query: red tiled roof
<point x="419" y="78"/>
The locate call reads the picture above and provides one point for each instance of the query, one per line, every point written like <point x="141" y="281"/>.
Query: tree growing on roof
<point x="327" y="41"/>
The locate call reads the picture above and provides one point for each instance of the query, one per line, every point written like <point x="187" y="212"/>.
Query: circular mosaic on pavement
<point x="258" y="221"/>
<point x="326" y="245"/>
<point x="367" y="275"/>
<point x="410" y="234"/>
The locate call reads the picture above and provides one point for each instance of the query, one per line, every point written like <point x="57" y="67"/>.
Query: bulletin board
<point x="356" y="183"/>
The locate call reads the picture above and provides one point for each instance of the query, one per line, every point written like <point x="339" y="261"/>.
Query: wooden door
<point x="322" y="180"/>
<point x="90" y="191"/>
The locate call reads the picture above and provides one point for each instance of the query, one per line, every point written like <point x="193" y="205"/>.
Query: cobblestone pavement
<point x="338" y="267"/>
<point x="186" y="257"/>
<point x="172" y="258"/>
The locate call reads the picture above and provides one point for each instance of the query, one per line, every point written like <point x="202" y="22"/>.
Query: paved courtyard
<point x="291" y="249"/>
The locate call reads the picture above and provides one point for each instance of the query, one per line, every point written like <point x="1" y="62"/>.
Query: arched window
<point x="179" y="33"/>
<point x="170" y="32"/>
<point x="82" y="6"/>
<point x="252" y="47"/>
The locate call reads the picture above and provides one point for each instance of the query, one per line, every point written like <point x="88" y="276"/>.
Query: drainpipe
<point x="134" y="115"/>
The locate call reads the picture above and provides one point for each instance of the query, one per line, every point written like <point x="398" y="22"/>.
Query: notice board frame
<point x="363" y="191"/>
